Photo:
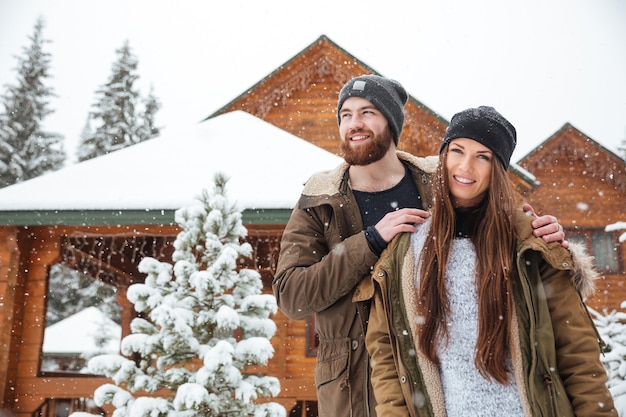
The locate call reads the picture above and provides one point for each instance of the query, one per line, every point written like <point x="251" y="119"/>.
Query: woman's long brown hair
<point x="494" y="242"/>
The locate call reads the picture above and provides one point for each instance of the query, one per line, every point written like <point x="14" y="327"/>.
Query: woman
<point x="471" y="314"/>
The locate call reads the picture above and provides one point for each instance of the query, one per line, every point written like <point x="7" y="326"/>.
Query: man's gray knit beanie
<point x="386" y="94"/>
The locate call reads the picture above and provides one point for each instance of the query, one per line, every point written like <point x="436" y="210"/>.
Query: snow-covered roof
<point x="78" y="334"/>
<point x="267" y="167"/>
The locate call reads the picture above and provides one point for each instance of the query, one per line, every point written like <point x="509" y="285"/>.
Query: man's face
<point x="365" y="133"/>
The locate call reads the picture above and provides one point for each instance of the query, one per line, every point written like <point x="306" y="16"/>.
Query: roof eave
<point x="123" y="217"/>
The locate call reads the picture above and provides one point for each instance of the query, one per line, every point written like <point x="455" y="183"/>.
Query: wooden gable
<point x="579" y="181"/>
<point x="301" y="98"/>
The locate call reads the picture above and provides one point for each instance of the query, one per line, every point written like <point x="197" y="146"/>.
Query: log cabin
<point x="569" y="175"/>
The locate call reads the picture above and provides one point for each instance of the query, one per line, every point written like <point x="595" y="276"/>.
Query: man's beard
<point x="373" y="151"/>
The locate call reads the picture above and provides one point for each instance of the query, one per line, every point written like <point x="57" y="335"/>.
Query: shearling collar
<point x="330" y="182"/>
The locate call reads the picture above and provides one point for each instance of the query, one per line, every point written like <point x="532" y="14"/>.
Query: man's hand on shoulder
<point x="403" y="220"/>
<point x="547" y="227"/>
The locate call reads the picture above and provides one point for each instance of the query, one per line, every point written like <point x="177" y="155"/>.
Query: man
<point x="341" y="224"/>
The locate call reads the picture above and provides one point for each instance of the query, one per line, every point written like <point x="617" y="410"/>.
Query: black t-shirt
<point x="375" y="205"/>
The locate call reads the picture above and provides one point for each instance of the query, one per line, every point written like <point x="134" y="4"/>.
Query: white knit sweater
<point x="466" y="392"/>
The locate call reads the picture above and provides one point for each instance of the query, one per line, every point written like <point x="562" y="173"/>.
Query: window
<point x="82" y="321"/>
<point x="87" y="313"/>
<point x="603" y="246"/>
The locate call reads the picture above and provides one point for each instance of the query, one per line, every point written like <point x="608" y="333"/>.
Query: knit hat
<point x="386" y="94"/>
<point x="486" y="126"/>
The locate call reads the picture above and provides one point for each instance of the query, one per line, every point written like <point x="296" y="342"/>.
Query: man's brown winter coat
<point x="555" y="347"/>
<point x="324" y="255"/>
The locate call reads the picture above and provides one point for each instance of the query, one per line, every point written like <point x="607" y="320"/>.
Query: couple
<point x="468" y="272"/>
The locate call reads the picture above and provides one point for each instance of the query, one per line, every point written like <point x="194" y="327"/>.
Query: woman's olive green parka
<point x="555" y="346"/>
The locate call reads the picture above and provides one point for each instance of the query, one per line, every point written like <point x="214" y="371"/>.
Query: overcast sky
<point x="540" y="63"/>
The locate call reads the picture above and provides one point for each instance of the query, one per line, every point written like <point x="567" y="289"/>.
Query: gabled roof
<point x="569" y="143"/>
<point x="322" y="48"/>
<point x="578" y="180"/>
<point x="300" y="96"/>
<point x="566" y="132"/>
<point x="147" y="182"/>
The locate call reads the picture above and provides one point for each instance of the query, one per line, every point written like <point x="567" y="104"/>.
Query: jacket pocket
<point x="331" y="369"/>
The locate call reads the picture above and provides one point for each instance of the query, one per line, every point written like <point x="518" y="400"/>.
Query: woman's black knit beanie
<point x="486" y="126"/>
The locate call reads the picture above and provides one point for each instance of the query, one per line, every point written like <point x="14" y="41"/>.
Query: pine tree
<point x="87" y="132"/>
<point x="116" y="115"/>
<point x="201" y="328"/>
<point x="148" y="128"/>
<point x="612" y="329"/>
<point x="26" y="149"/>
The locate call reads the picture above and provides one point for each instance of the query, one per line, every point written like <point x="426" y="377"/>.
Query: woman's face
<point x="469" y="171"/>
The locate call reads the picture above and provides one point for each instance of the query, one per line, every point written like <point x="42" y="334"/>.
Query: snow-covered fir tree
<point x="26" y="149"/>
<point x="117" y="118"/>
<point x="612" y="329"/>
<point x="148" y="128"/>
<point x="87" y="132"/>
<point x="204" y="326"/>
